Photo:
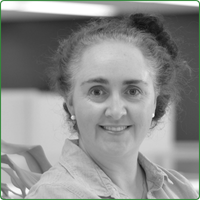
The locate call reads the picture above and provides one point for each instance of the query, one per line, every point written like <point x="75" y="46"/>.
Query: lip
<point x="116" y="126"/>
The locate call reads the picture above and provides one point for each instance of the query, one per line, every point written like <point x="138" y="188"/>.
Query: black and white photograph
<point x="99" y="99"/>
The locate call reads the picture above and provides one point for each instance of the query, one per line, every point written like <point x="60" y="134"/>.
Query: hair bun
<point x="154" y="26"/>
<point x="147" y="23"/>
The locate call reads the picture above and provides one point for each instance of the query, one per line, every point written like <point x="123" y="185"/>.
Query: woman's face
<point x="113" y="99"/>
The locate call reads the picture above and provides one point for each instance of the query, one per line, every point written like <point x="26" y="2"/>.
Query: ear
<point x="69" y="102"/>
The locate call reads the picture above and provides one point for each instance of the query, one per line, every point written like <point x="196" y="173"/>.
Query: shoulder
<point x="174" y="176"/>
<point x="56" y="183"/>
<point x="51" y="191"/>
<point x="180" y="184"/>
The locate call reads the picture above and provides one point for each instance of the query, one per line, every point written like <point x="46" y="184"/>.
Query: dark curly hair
<point x="145" y="31"/>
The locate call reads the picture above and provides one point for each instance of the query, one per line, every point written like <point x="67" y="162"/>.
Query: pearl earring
<point x="73" y="117"/>
<point x="153" y="115"/>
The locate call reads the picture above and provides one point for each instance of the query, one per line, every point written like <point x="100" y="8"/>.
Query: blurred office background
<point x="32" y="114"/>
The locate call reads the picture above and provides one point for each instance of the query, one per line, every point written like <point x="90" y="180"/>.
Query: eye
<point x="133" y="92"/>
<point x="97" y="92"/>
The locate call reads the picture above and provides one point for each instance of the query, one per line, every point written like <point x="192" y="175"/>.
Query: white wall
<point x="33" y="117"/>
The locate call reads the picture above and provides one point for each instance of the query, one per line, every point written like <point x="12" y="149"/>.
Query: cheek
<point x="87" y="115"/>
<point x="142" y="114"/>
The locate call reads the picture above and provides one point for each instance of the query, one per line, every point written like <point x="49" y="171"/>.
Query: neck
<point x="119" y="168"/>
<point x="124" y="171"/>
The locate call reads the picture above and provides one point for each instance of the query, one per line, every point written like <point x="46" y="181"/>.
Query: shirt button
<point x="114" y="191"/>
<point x="151" y="196"/>
<point x="159" y="179"/>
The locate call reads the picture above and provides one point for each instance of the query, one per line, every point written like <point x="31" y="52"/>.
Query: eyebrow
<point x="96" y="80"/>
<point x="106" y="82"/>
<point x="135" y="81"/>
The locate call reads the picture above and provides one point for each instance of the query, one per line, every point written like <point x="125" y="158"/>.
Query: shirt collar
<point x="86" y="171"/>
<point x="155" y="176"/>
<point x="83" y="168"/>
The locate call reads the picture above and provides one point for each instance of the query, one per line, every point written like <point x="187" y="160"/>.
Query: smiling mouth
<point x="115" y="128"/>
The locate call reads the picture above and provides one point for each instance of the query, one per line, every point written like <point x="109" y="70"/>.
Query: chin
<point x="115" y="149"/>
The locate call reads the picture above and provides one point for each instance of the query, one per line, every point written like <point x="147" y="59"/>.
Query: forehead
<point x="113" y="60"/>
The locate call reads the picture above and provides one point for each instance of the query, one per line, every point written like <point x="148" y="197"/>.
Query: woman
<point x="117" y="76"/>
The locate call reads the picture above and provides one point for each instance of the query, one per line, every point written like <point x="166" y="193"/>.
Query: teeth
<point x="110" y="128"/>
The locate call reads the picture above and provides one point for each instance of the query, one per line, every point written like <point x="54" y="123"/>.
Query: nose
<point x="116" y="108"/>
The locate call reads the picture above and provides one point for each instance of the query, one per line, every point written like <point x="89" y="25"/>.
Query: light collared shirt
<point x="76" y="176"/>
